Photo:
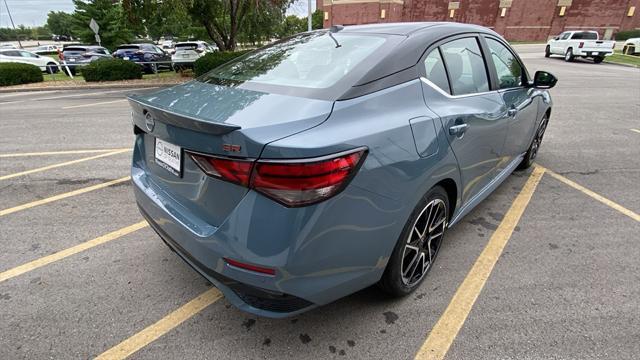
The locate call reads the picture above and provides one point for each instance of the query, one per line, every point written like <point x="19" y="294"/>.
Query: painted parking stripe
<point x="62" y="196"/>
<point x="163" y="326"/>
<point x="446" y="329"/>
<point x="66" y="163"/>
<point x="635" y="216"/>
<point x="61" y="152"/>
<point x="94" y="104"/>
<point x="635" y="130"/>
<point x="32" y="265"/>
<point x="26" y="93"/>
<point x="89" y="94"/>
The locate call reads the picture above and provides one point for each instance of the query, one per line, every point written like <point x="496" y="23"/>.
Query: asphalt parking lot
<point x="81" y="276"/>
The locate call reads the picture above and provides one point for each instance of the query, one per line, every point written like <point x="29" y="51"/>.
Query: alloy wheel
<point x="423" y="242"/>
<point x="538" y="139"/>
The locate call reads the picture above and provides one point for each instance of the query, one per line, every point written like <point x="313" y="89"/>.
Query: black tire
<point x="547" y="51"/>
<point x="532" y="152"/>
<point x="52" y="68"/>
<point x="394" y="280"/>
<point x="598" y="59"/>
<point x="568" y="56"/>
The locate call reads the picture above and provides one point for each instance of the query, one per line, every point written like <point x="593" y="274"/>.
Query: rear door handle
<point x="458" y="130"/>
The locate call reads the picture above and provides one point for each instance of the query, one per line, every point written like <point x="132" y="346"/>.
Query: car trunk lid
<point x="216" y="120"/>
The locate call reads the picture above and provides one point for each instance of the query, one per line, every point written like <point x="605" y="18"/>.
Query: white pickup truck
<point x="586" y="44"/>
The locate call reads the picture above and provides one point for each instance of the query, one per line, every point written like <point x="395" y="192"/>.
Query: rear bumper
<point x="592" y="52"/>
<point x="320" y="253"/>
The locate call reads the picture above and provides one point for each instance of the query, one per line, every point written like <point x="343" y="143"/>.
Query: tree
<point x="224" y="19"/>
<point x="60" y="23"/>
<point x="317" y="19"/>
<point x="292" y="25"/>
<point x="110" y="18"/>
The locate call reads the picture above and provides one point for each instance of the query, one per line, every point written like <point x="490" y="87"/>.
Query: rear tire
<point x="568" y="56"/>
<point x="598" y="59"/>
<point x="547" y="51"/>
<point x="52" y="68"/>
<point x="418" y="246"/>
<point x="532" y="152"/>
<point x="629" y="50"/>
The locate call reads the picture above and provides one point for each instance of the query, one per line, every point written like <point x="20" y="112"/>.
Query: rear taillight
<point x="232" y="170"/>
<point x="290" y="182"/>
<point x="581" y="44"/>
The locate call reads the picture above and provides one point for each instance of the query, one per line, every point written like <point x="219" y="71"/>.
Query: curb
<point x="88" y="87"/>
<point x="621" y="64"/>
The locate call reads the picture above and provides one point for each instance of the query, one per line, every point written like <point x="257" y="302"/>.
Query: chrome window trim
<point x="438" y="89"/>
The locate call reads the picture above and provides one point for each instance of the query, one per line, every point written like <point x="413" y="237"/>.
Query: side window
<point x="467" y="72"/>
<point x="565" y="36"/>
<point x="435" y="70"/>
<point x="507" y="66"/>
<point x="27" y="54"/>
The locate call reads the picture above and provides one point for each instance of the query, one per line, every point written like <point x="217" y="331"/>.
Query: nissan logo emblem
<point x="149" y="121"/>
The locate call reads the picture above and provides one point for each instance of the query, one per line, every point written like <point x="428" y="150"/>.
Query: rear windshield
<point x="315" y="60"/>
<point x="186" y="46"/>
<point x="74" y="50"/>
<point x="127" y="48"/>
<point x="585" y="35"/>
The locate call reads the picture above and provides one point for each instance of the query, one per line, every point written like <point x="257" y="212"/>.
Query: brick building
<point x="514" y="19"/>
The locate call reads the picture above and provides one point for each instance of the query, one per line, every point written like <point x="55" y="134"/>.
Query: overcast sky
<point x="34" y="12"/>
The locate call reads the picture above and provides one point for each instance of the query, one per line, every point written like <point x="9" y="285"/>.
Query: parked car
<point x="45" y="63"/>
<point x="76" y="56"/>
<point x="186" y="53"/>
<point x="586" y="44"/>
<point x="631" y="46"/>
<point x="169" y="49"/>
<point x="61" y="38"/>
<point x="319" y="165"/>
<point x="43" y="49"/>
<point x="151" y="57"/>
<point x="8" y="46"/>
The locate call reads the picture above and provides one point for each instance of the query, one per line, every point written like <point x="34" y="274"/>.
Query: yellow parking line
<point x="163" y="326"/>
<point x="635" y="216"/>
<point x="93" y="104"/>
<point x="446" y="329"/>
<point x="66" y="163"/>
<point x="62" y="152"/>
<point x="32" y="265"/>
<point x="62" y="196"/>
<point x="635" y="130"/>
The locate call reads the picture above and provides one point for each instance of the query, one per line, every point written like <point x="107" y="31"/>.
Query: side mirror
<point x="556" y="38"/>
<point x="544" y="80"/>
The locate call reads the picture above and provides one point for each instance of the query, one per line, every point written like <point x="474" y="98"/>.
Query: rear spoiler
<point x="184" y="121"/>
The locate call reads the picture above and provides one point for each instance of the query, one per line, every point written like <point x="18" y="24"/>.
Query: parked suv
<point x="186" y="53"/>
<point x="79" y="55"/>
<point x="45" y="63"/>
<point x="149" y="56"/>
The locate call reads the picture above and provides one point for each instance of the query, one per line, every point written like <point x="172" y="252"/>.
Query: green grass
<point x="62" y="76"/>
<point x="620" y="58"/>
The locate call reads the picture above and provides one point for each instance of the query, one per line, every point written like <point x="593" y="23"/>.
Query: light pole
<point x="14" y="25"/>
<point x="308" y="15"/>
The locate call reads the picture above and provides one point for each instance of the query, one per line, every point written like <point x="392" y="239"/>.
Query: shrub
<point x="111" y="70"/>
<point x="213" y="60"/>
<point x="18" y="73"/>
<point x="627" y="34"/>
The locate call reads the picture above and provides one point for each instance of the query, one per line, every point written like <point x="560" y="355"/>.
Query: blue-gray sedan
<point x="336" y="159"/>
